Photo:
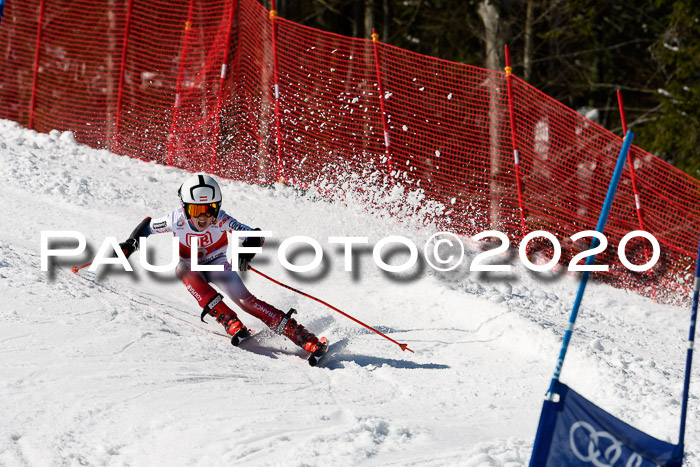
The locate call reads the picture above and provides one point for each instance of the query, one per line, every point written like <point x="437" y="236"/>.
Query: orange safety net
<point x="226" y="87"/>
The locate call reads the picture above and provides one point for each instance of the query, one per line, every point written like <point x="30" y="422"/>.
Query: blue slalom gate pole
<point x="612" y="188"/>
<point x="689" y="355"/>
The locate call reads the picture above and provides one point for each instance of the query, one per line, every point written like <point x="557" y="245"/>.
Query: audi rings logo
<point x="600" y="448"/>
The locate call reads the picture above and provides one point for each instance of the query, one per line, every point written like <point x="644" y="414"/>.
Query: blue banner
<point x="575" y="432"/>
<point x="2" y="8"/>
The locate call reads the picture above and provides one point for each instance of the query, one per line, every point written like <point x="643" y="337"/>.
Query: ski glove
<point x="129" y="246"/>
<point x="244" y="261"/>
<point x="245" y="258"/>
<point x="132" y="243"/>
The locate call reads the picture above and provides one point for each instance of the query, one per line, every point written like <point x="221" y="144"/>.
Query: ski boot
<point x="228" y="319"/>
<point x="235" y="329"/>
<point x="317" y="351"/>
<point x="302" y="337"/>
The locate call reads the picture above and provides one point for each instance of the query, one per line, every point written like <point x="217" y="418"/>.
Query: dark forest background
<point x="576" y="51"/>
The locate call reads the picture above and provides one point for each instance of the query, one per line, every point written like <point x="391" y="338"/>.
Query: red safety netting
<point x="226" y="87"/>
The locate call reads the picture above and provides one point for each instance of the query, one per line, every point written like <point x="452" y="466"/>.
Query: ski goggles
<point x="196" y="210"/>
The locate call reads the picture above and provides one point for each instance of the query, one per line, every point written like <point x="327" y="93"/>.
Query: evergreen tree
<point x="673" y="131"/>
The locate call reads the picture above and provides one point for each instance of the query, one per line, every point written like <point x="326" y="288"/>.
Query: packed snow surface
<point x="115" y="368"/>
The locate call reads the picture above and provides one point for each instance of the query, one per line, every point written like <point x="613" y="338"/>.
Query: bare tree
<point x="528" y="51"/>
<point x="369" y="17"/>
<point x="494" y="39"/>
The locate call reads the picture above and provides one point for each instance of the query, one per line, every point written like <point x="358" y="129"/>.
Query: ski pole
<point x="75" y="269"/>
<point x="403" y="346"/>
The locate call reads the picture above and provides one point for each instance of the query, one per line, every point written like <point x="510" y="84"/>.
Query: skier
<point x="200" y="216"/>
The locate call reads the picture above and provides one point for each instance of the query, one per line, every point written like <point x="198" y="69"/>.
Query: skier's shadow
<point x="337" y="362"/>
<point x="258" y="345"/>
<point x="336" y="359"/>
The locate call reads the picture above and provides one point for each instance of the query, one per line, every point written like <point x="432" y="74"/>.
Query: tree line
<point x="577" y="51"/>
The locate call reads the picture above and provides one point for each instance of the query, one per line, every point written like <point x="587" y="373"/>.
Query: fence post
<point x="382" y="107"/>
<point x="516" y="155"/>
<point x="276" y="77"/>
<point x="633" y="176"/>
<point x="178" y="86"/>
<point x="32" y="105"/>
<point x="222" y="79"/>
<point x="637" y="199"/>
<point x="122" y="73"/>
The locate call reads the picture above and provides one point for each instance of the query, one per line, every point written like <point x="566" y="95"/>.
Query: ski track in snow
<point x="116" y="368"/>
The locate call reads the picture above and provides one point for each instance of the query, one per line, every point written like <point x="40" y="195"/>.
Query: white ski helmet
<point x="200" y="190"/>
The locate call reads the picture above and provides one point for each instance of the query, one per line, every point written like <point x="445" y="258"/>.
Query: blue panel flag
<point x="575" y="432"/>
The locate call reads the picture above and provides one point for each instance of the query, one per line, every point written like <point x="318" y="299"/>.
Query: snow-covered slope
<point x="117" y="369"/>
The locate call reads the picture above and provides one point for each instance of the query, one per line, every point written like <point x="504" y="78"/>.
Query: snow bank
<point x="117" y="369"/>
